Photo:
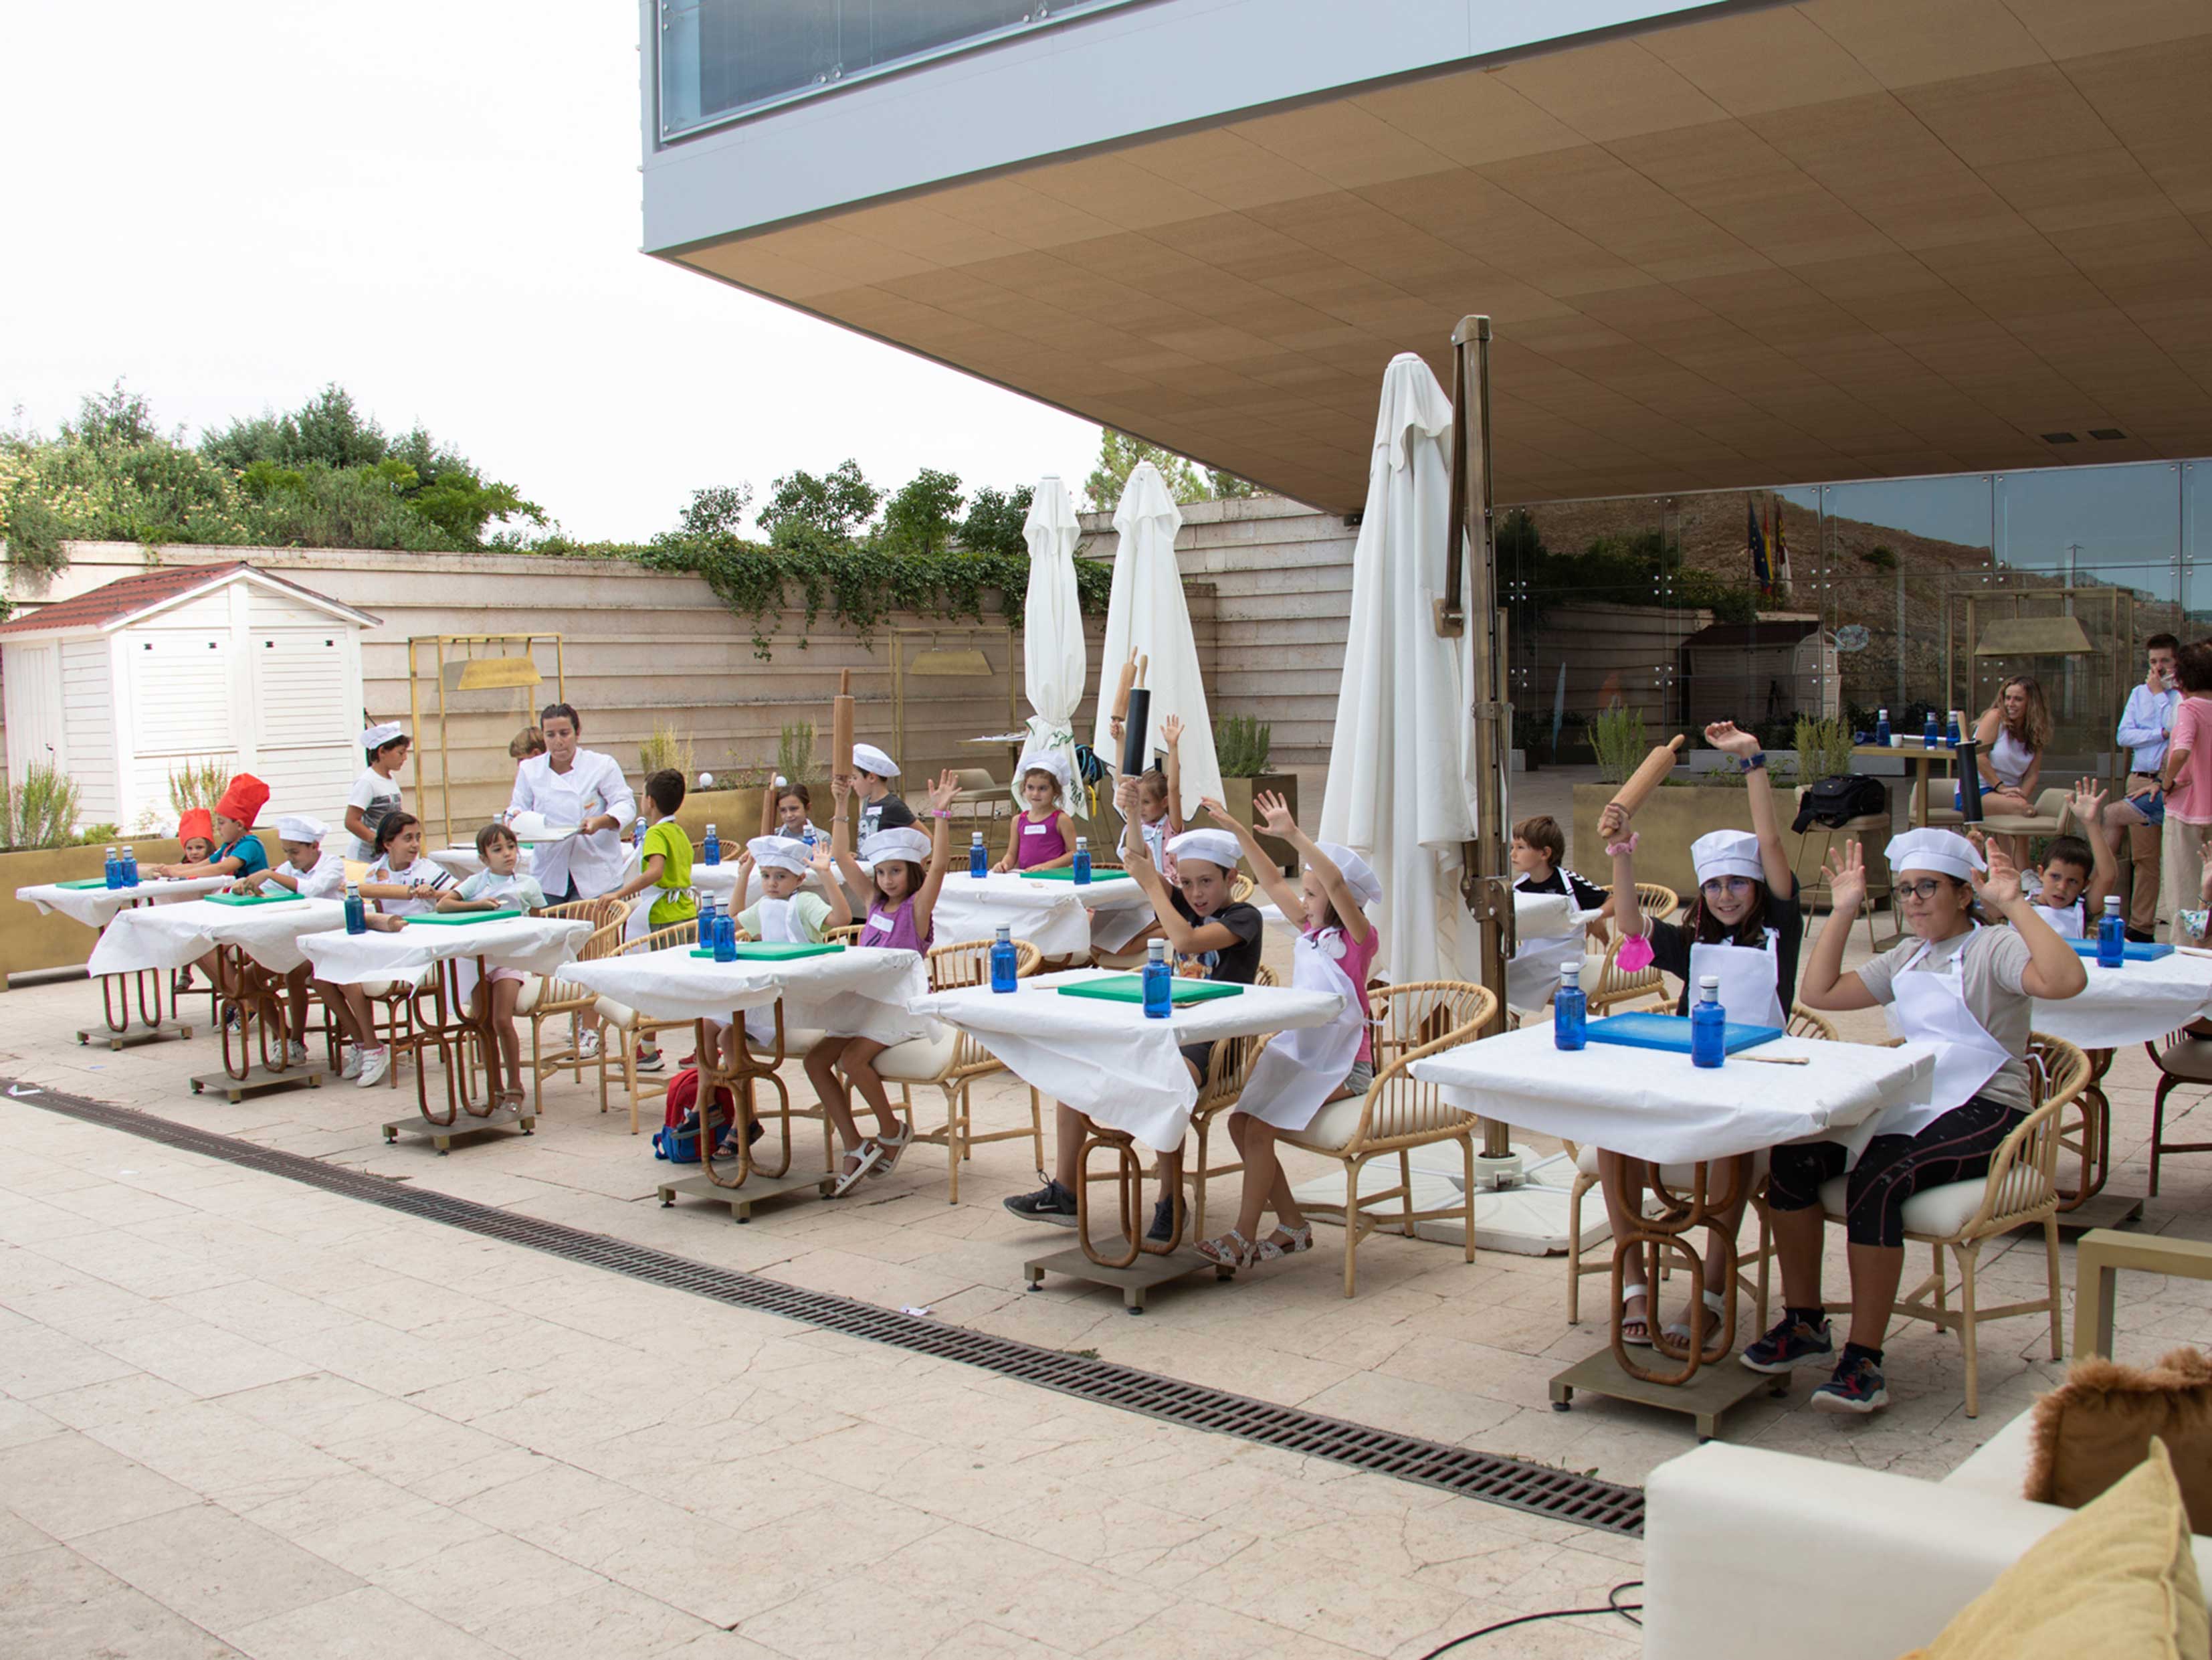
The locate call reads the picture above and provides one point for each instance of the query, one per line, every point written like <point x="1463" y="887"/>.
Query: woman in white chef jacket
<point x="1954" y="982"/>
<point x="567" y="786"/>
<point x="1743" y="927"/>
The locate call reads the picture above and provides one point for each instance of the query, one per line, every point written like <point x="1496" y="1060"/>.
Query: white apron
<point x="594" y="785"/>
<point x="1750" y="977"/>
<point x="1301" y="1069"/>
<point x="1532" y="975"/>
<point x="2067" y="921"/>
<point x="776" y="929"/>
<point x="1931" y="1008"/>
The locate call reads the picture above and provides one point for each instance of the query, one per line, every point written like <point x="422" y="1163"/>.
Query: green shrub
<point x="1241" y="743"/>
<point x="794" y="753"/>
<point x="92" y="836"/>
<point x="1881" y="557"/>
<point x="1617" y="736"/>
<point x="201" y="784"/>
<point x="40" y="812"/>
<point x="1823" y="748"/>
<point x="666" y="750"/>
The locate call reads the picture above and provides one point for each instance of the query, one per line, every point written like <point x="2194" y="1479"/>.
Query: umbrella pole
<point x="1470" y="605"/>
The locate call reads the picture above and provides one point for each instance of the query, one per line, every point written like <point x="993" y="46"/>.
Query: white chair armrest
<point x="1998" y="1467"/>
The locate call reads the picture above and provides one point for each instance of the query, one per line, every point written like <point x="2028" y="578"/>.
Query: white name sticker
<point x="1035" y="829"/>
<point x="878" y="925"/>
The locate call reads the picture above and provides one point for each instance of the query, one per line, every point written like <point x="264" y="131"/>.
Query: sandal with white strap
<point x="891" y="1146"/>
<point x="1231" y="1250"/>
<point x="1291" y="1242"/>
<point x="1641" y="1322"/>
<point x="862" y="1159"/>
<point x="1679" y="1331"/>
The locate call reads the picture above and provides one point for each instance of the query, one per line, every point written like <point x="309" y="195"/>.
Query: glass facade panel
<point x="719" y="57"/>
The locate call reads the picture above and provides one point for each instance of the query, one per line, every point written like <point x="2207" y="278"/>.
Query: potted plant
<point x="1241" y="745"/>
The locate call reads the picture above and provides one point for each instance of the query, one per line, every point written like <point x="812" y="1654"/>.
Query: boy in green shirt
<point x="663" y="868"/>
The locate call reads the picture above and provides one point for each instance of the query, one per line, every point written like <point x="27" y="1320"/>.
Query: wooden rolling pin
<point x="841" y="725"/>
<point x="1121" y="705"/>
<point x="1648" y="777"/>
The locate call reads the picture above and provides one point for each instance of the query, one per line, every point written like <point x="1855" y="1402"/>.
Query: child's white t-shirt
<point x="516" y="890"/>
<point x="325" y="879"/>
<point x="378" y="797"/>
<point x="433" y="877"/>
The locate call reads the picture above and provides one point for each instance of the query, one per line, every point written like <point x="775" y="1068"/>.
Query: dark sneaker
<point x="2141" y="937"/>
<point x="652" y="1061"/>
<point x="1164" y="1221"/>
<point x="1050" y="1203"/>
<point x="1791" y="1344"/>
<point x="1857" y="1387"/>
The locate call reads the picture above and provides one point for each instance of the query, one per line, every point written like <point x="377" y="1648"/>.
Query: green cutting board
<point x="249" y="899"/>
<point x="88" y="882"/>
<point x="460" y="918"/>
<point x="763" y="951"/>
<point x="1130" y="989"/>
<point x="1066" y="874"/>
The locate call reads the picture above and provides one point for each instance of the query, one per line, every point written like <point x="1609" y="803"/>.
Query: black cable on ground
<point x="1627" y="1611"/>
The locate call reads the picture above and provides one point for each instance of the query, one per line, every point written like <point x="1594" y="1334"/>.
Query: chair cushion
<point x="1332" y="1127"/>
<point x="532" y="994"/>
<point x="2189" y="1058"/>
<point x="621" y="1016"/>
<point x="918" y="1060"/>
<point x="1942" y="1211"/>
<point x="797" y="1040"/>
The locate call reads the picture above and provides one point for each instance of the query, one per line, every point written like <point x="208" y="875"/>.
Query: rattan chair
<point x="623" y="1029"/>
<point x="544" y="999"/>
<point x="1803" y="1023"/>
<point x="1400" y="1112"/>
<point x="2021" y="1189"/>
<point x="2185" y="1058"/>
<point x="953" y="1061"/>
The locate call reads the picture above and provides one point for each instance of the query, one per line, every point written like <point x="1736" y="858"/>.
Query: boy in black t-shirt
<point x="1539" y="852"/>
<point x="880" y="809"/>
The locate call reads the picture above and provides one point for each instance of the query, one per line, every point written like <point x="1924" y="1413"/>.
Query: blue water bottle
<point x="2112" y="934"/>
<point x="711" y="848"/>
<point x="1006" y="961"/>
<point x="356" y="913"/>
<point x="979" y="856"/>
<point x="1881" y="727"/>
<point x="705" y="935"/>
<point x="641" y="827"/>
<point x="1081" y="862"/>
<point x="1950" y="735"/>
<point x="726" y="937"/>
<point x="1708" y="1025"/>
<point x="1931" y="735"/>
<point x="1159" y="982"/>
<point x="114" y="870"/>
<point x="1570" y="1009"/>
<point x="130" y="868"/>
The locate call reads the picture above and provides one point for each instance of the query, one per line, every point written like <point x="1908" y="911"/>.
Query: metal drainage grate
<point x="1561" y="1495"/>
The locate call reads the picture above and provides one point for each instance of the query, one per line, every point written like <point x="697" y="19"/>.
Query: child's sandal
<point x="1640" y="1323"/>
<point x="1716" y="1306"/>
<point x="891" y="1146"/>
<point x="1231" y="1250"/>
<point x="1294" y="1241"/>
<point x="862" y="1159"/>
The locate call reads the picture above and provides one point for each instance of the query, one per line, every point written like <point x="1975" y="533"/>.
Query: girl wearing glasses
<point x="1968" y="990"/>
<point x="1743" y="927"/>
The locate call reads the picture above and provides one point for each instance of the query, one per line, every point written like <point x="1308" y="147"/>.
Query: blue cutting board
<point x="2137" y="951"/>
<point x="1647" y="1030"/>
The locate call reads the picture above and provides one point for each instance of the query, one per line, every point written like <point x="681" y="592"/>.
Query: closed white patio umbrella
<point x="1053" y="668"/>
<point x="1402" y="766"/>
<point x="1147" y="614"/>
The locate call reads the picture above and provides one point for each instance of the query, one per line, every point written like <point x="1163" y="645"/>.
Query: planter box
<point x="1237" y="795"/>
<point x="735" y="814"/>
<point x="28" y="941"/>
<point x="1675" y="816"/>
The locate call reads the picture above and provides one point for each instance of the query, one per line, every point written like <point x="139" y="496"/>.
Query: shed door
<point x="180" y="693"/>
<point x="309" y="738"/>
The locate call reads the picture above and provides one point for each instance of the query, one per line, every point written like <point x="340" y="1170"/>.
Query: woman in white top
<point x="584" y="788"/>
<point x="2014" y="733"/>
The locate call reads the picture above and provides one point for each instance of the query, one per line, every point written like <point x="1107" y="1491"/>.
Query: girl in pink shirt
<point x="1040" y="838"/>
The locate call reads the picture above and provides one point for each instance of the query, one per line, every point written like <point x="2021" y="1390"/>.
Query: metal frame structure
<point x="967" y="634"/>
<point x="438" y="644"/>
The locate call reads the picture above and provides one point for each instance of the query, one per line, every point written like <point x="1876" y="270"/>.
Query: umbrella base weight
<point x="2102" y="1210"/>
<point x="257" y="1080"/>
<point x="131" y="1037"/>
<point x="757" y="1189"/>
<point x="1708" y="1397"/>
<point x="442" y="1136"/>
<point x="1134" y="1282"/>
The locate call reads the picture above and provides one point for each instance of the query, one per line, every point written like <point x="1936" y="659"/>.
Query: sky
<point x="228" y="205"/>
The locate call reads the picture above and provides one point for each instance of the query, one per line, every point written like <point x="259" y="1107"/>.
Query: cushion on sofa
<point x="2097" y="1426"/>
<point x="2118" y="1578"/>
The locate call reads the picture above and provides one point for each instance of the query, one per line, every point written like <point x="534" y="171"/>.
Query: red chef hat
<point x="195" y="823"/>
<point x="244" y="799"/>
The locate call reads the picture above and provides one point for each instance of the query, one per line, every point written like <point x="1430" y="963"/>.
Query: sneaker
<point x="1789" y="1345"/>
<point x="652" y="1061"/>
<point x="230" y="1019"/>
<point x="1857" y="1387"/>
<point x="351" y="1061"/>
<point x="374" y="1064"/>
<point x="588" y="1046"/>
<point x="2141" y="937"/>
<point x="1164" y="1221"/>
<point x="1050" y="1203"/>
<point x="295" y="1053"/>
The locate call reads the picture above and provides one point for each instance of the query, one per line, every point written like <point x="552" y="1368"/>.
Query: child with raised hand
<point x="399" y="883"/>
<point x="1159" y="792"/>
<point x="312" y="873"/>
<point x="902" y="901"/>
<point x="1040" y="839"/>
<point x="498" y="887"/>
<point x="2076" y="873"/>
<point x="1743" y="927"/>
<point x="1968" y="990"/>
<point x="1299" y="1071"/>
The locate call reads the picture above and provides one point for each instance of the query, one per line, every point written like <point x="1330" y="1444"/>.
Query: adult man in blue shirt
<point x="2145" y="726"/>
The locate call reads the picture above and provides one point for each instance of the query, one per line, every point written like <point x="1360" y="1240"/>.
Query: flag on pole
<point x="1759" y="569"/>
<point x="1781" y="550"/>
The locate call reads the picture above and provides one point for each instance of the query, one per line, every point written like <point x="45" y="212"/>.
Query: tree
<point x="922" y="516"/>
<point x="326" y="428"/>
<point x="718" y="510"/>
<point x="112" y="419"/>
<point x="994" y="520"/>
<point x="835" y="506"/>
<point x="1119" y="455"/>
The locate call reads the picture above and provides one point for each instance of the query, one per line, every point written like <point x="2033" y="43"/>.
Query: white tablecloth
<point x="170" y="936"/>
<point x="96" y="906"/>
<point x="535" y="945"/>
<point x="859" y="992"/>
<point x="1106" y="1060"/>
<point x="2140" y="1003"/>
<point x="1059" y="918"/>
<point x="462" y="862"/>
<point x="1651" y="1104"/>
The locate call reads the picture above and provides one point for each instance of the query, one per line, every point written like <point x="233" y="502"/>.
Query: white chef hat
<point x="1214" y="846"/>
<point x="1359" y="875"/>
<point x="779" y="853"/>
<point x="383" y="732"/>
<point x="1945" y="852"/>
<point x="298" y="827"/>
<point x="903" y="842"/>
<point x="1726" y="853"/>
<point x="866" y="757"/>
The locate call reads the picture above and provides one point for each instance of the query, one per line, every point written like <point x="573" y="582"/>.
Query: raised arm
<point x="1287" y="898"/>
<point x="1171" y="731"/>
<point x="1822" y="983"/>
<point x="2105" y="874"/>
<point x="841" y="833"/>
<point x="1627" y="912"/>
<point x="746" y="878"/>
<point x="1341" y="899"/>
<point x="941" y="796"/>
<point x="841" y="907"/>
<point x="1758" y="790"/>
<point x="2054" y="970"/>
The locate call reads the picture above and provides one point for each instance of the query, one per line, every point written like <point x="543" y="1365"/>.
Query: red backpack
<point x="677" y="1139"/>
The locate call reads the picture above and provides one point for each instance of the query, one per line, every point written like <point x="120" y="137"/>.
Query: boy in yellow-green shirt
<point x="664" y="870"/>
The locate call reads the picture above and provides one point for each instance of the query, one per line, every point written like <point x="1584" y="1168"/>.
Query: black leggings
<point x="1956" y="1147"/>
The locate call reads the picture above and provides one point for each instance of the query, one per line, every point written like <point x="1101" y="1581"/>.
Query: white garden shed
<point x="123" y="685"/>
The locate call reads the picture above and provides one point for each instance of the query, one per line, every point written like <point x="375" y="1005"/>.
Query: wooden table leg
<point x="741" y="1078"/>
<point x="1924" y="767"/>
<point x="1649" y="1239"/>
<point x="2093" y="1128"/>
<point x="1129" y="1193"/>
